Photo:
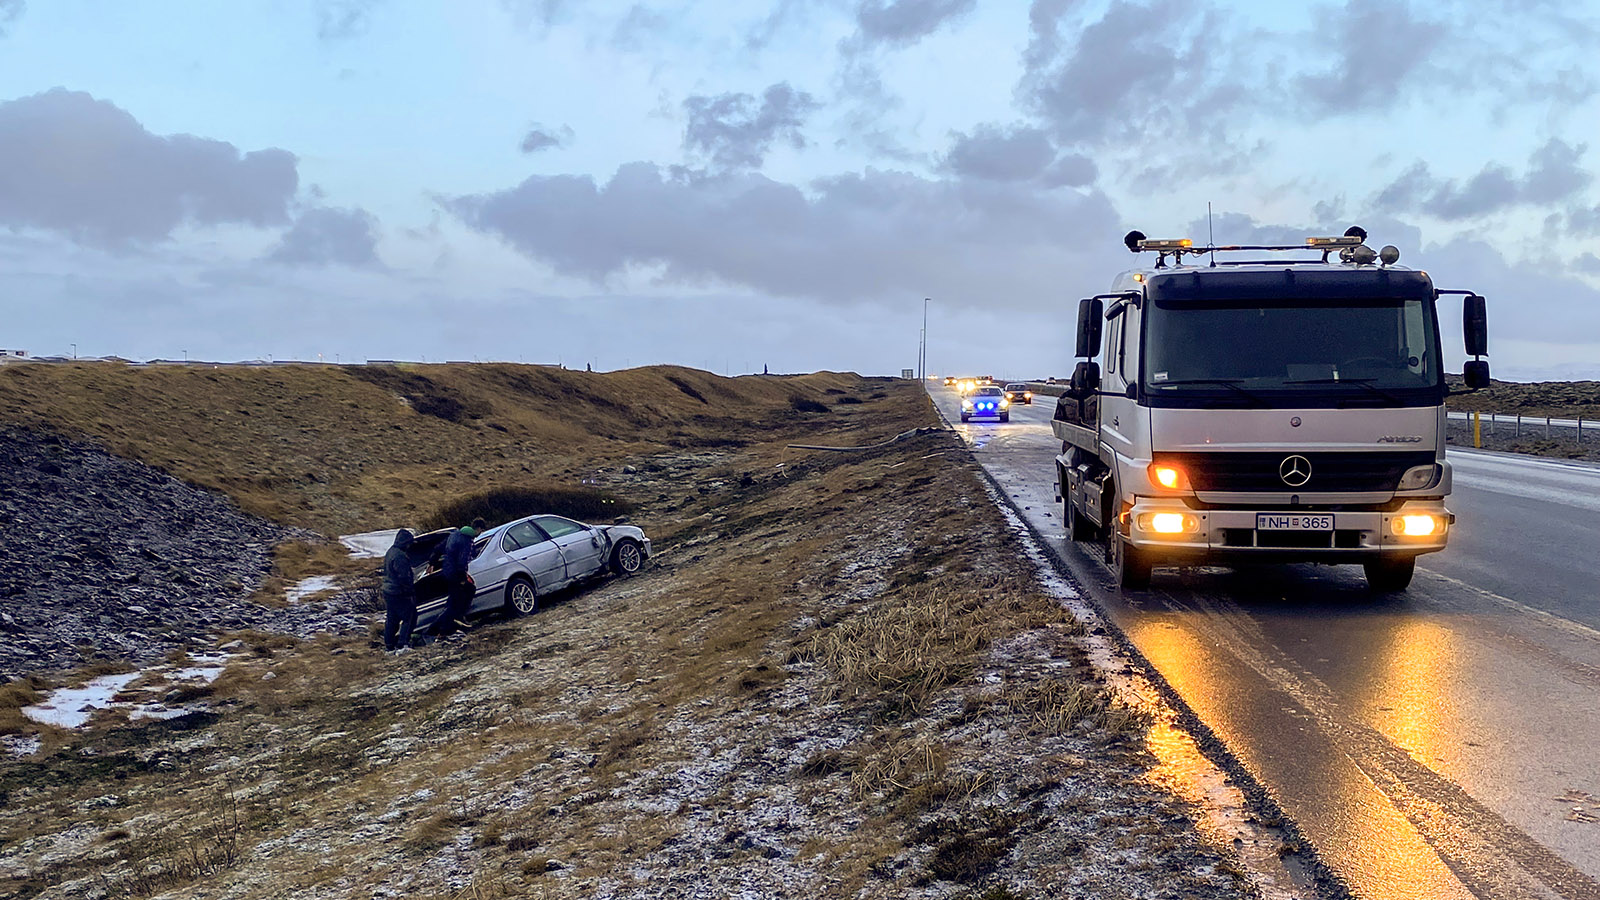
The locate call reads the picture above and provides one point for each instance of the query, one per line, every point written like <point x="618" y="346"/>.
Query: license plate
<point x="1293" y="522"/>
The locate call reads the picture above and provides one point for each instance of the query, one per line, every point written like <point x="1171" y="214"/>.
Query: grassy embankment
<point x="838" y="674"/>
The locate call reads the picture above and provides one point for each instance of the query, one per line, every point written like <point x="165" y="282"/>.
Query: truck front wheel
<point x="1131" y="564"/>
<point x="1388" y="576"/>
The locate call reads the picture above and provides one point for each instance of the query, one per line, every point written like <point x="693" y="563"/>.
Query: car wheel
<point x="1005" y="417"/>
<point x="965" y="417"/>
<point x="521" y="598"/>
<point x="628" y="557"/>
<point x="1389" y="576"/>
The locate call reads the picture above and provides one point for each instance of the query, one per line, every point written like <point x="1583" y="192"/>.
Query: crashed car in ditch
<point x="515" y="564"/>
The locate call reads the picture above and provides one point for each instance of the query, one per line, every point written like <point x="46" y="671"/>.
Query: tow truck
<point x="1263" y="409"/>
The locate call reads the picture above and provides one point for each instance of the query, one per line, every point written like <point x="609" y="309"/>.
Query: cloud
<point x="902" y="23"/>
<point x="1019" y="153"/>
<point x="10" y="10"/>
<point x="870" y="235"/>
<point x="339" y="20"/>
<point x="79" y="166"/>
<point x="329" y="236"/>
<point x="529" y="12"/>
<point x="1553" y="175"/>
<point x="734" y="132"/>
<point x="1377" y="45"/>
<point x="540" y="137"/>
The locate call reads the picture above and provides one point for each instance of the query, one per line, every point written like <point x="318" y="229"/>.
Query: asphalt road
<point x="1441" y="743"/>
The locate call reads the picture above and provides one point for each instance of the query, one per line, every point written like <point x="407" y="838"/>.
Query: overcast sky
<point x="735" y="184"/>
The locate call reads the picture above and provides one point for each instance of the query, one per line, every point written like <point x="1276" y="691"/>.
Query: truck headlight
<point x="1418" y="477"/>
<point x="1417" y="525"/>
<point x="1168" y="523"/>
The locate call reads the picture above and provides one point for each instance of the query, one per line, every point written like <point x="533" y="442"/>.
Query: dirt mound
<point x="1558" y="399"/>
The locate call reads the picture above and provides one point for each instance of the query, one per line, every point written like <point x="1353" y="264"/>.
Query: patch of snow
<point x="20" y="745"/>
<point x="370" y="544"/>
<point x="71" y="707"/>
<point x="308" y="587"/>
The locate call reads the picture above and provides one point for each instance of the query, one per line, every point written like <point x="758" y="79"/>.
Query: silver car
<point x="515" y="564"/>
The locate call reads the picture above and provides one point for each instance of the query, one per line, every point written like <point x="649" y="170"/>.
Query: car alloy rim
<point x="629" y="557"/>
<point x="523" y="598"/>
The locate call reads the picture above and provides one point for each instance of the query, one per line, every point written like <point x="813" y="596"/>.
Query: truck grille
<point x="1330" y="472"/>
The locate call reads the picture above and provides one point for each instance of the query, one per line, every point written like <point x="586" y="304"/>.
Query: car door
<point x="583" y="549"/>
<point x="535" y="555"/>
<point x="490" y="567"/>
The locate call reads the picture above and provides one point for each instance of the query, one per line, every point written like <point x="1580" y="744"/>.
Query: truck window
<point x="1113" y="345"/>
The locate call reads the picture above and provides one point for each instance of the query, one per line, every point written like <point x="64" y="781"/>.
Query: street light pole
<point x="74" y="351"/>
<point x="922" y="352"/>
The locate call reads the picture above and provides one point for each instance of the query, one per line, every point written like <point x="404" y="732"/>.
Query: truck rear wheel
<point x="1388" y="576"/>
<point x="1131" y="565"/>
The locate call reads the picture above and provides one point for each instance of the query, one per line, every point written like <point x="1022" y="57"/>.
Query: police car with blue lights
<point x="988" y="401"/>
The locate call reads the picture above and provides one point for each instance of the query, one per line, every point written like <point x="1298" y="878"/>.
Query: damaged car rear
<point x="515" y="564"/>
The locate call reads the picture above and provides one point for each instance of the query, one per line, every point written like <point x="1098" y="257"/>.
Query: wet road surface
<point x="1440" y="743"/>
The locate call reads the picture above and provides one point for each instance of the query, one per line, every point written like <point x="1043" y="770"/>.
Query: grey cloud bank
<point x="326" y="236"/>
<point x="735" y="131"/>
<point x="80" y="166"/>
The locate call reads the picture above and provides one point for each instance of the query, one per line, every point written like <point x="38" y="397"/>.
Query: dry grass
<point x="341" y="449"/>
<point x="293" y="561"/>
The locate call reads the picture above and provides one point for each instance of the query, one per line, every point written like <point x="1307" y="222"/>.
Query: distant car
<point x="949" y="380"/>
<point x="986" y="402"/>
<point x="1017" y="392"/>
<point x="967" y="386"/>
<point x="515" y="564"/>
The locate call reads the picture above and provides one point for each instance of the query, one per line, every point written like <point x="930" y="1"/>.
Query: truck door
<point x="1118" y="412"/>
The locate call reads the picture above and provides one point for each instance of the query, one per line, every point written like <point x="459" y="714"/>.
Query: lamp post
<point x="74" y="351"/>
<point x="922" y="349"/>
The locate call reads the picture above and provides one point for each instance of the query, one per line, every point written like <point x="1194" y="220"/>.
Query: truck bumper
<point x="1231" y="535"/>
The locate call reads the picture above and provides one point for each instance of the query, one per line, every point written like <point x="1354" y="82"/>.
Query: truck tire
<point x="1079" y="528"/>
<point x="1390" y="576"/>
<point x="1131" y="565"/>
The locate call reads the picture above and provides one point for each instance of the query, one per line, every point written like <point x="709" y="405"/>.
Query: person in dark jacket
<point x="399" y="594"/>
<point x="453" y="570"/>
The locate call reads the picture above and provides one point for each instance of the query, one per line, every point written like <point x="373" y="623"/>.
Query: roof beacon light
<point x="1166" y="246"/>
<point x="1333" y="243"/>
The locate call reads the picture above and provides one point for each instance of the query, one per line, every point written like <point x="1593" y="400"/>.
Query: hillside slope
<point x="342" y="449"/>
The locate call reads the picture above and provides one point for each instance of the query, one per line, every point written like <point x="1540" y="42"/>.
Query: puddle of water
<point x="310" y="587"/>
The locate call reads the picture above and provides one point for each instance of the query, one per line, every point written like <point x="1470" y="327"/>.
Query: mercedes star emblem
<point x="1295" y="470"/>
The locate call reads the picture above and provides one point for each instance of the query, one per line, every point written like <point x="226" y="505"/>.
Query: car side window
<point x="555" y="526"/>
<point x="523" y="534"/>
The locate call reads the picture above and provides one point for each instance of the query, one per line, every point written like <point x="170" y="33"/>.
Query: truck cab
<point x="1230" y="410"/>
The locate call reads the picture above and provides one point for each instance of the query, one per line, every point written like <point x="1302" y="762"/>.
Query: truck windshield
<point x="1297" y="351"/>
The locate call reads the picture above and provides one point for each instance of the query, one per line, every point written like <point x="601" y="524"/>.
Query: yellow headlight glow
<point x="1166" y="476"/>
<point x="1416" y="526"/>
<point x="1167" y="523"/>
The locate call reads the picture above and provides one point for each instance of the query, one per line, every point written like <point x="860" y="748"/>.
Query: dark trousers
<point x="456" y="604"/>
<point x="400" y="619"/>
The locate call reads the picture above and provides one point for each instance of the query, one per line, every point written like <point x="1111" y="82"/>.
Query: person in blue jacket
<point x="453" y="569"/>
<point x="399" y="594"/>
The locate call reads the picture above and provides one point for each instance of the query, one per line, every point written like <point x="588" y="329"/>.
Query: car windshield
<point x="1016" y="387"/>
<point x="989" y="392"/>
<point x="1381" y="351"/>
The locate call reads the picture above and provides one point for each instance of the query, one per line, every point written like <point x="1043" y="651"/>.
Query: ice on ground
<point x="72" y="707"/>
<point x="370" y="544"/>
<point x="308" y="587"/>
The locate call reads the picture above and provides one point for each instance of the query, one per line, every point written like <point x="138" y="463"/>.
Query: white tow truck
<point x="1262" y="409"/>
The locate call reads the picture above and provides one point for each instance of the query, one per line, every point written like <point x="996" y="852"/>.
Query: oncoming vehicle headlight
<point x="1168" y="523"/>
<point x="1170" y="477"/>
<point x="965" y="403"/>
<point x="1417" y="525"/>
<point x="1418" y="477"/>
<point x="1004" y="403"/>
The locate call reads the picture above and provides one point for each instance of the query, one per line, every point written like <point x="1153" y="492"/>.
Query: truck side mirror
<point x="1085" y="380"/>
<point x="1475" y="325"/>
<point x="1475" y="373"/>
<point x="1091" y="318"/>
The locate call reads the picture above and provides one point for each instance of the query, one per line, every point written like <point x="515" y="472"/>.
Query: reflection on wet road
<point x="1436" y="744"/>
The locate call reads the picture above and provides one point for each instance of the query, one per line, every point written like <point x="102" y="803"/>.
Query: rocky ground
<point x="1562" y="443"/>
<point x="838" y="678"/>
<point x="103" y="558"/>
